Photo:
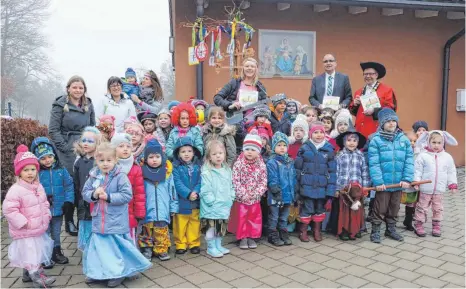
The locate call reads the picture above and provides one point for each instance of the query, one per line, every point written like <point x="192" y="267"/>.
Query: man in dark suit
<point x="330" y="83"/>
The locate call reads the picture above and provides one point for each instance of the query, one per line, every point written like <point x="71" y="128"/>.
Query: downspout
<point x="172" y="38"/>
<point x="199" y="67"/>
<point x="446" y="75"/>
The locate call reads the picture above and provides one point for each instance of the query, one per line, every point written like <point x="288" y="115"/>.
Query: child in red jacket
<point x="137" y="205"/>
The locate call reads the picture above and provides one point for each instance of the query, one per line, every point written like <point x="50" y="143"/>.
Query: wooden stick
<point x="398" y="185"/>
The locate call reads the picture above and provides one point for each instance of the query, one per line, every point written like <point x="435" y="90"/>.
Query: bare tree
<point x="23" y="43"/>
<point x="167" y="79"/>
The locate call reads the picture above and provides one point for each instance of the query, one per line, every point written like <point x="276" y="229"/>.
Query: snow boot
<point x="58" y="257"/>
<point x="274" y="239"/>
<point x="391" y="232"/>
<point x="40" y="280"/>
<point x="408" y="222"/>
<point x="436" y="231"/>
<point x="375" y="233"/>
<point x="212" y="249"/>
<point x="285" y="237"/>
<point x="303" y="232"/>
<point x="218" y="244"/>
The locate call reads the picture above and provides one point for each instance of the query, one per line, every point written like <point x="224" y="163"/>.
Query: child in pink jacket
<point x="28" y="213"/>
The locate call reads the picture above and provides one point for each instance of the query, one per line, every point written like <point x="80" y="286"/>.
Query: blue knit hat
<point x="43" y="149"/>
<point x="386" y="114"/>
<point x="154" y="174"/>
<point x="420" y="123"/>
<point x="279" y="137"/>
<point x="130" y="73"/>
<point x="173" y="103"/>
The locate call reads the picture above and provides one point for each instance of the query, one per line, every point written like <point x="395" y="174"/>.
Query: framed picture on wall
<point x="287" y="53"/>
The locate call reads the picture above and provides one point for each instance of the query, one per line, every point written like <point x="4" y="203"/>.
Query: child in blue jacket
<point x="187" y="178"/>
<point x="391" y="162"/>
<point x="316" y="171"/>
<point x="161" y="202"/>
<point x="130" y="84"/>
<point x="281" y="183"/>
<point x="58" y="185"/>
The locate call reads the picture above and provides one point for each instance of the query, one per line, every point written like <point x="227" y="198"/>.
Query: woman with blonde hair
<point x="70" y="114"/>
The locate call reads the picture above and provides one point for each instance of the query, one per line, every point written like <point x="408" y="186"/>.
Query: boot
<point x="58" y="257"/>
<point x="112" y="283"/>
<point x="436" y="231"/>
<point x="408" y="222"/>
<point x="147" y="252"/>
<point x="40" y="280"/>
<point x="274" y="239"/>
<point x="285" y="237"/>
<point x="419" y="229"/>
<point x="26" y="278"/>
<point x="344" y="235"/>
<point x="212" y="249"/>
<point x="316" y="231"/>
<point x="369" y="212"/>
<point x="303" y="232"/>
<point x="375" y="233"/>
<point x="218" y="244"/>
<point x="70" y="227"/>
<point x="391" y="232"/>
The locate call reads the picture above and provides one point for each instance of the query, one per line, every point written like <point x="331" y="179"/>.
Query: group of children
<point x="177" y="168"/>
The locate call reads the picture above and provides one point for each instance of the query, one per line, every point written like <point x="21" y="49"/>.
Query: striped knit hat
<point x="252" y="141"/>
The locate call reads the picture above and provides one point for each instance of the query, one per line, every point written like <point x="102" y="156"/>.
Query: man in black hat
<point x="366" y="120"/>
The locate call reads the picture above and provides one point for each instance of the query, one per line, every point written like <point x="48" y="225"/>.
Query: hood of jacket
<point x="225" y="130"/>
<point x="185" y="141"/>
<point x="61" y="101"/>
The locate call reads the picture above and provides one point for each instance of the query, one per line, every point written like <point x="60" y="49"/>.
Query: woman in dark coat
<point x="70" y="114"/>
<point x="229" y="96"/>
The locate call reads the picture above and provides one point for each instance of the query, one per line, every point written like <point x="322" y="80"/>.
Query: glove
<point x="277" y="195"/>
<point x="328" y="205"/>
<point x="67" y="206"/>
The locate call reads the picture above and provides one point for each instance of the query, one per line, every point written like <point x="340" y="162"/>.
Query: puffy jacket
<point x="217" y="193"/>
<point x="390" y="162"/>
<point x="148" y="103"/>
<point x="194" y="133"/>
<point x="185" y="183"/>
<point x="26" y="204"/>
<point x="316" y="171"/>
<point x="283" y="125"/>
<point x="281" y="175"/>
<point x="121" y="110"/>
<point x="137" y="205"/>
<point x="161" y="198"/>
<point x="437" y="167"/>
<point x="228" y="94"/>
<point x="82" y="168"/>
<point x="111" y="216"/>
<point x="130" y="88"/>
<point x="56" y="180"/>
<point x="226" y="135"/>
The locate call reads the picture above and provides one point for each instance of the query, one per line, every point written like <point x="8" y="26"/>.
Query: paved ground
<point x="418" y="262"/>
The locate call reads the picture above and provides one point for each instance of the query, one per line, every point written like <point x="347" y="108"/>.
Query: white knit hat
<point x="252" y="141"/>
<point x="341" y="116"/>
<point x="301" y="122"/>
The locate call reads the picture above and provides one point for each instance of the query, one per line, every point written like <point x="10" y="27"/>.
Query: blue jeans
<point x="278" y="216"/>
<point x="55" y="229"/>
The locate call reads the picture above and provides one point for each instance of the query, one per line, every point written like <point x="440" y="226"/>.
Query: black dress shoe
<point x="71" y="229"/>
<point x="195" y="250"/>
<point x="180" y="251"/>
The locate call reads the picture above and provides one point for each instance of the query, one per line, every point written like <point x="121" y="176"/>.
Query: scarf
<point x="126" y="164"/>
<point x="139" y="149"/>
<point x="318" y="145"/>
<point x="155" y="175"/>
<point x="390" y="136"/>
<point x="183" y="131"/>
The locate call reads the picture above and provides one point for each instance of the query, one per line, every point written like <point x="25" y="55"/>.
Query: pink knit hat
<point x="24" y="158"/>
<point x="132" y="125"/>
<point x="316" y="125"/>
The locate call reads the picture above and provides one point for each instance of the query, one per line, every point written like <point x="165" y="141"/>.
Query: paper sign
<point x="192" y="59"/>
<point x="247" y="97"/>
<point x="332" y="102"/>
<point x="370" y="100"/>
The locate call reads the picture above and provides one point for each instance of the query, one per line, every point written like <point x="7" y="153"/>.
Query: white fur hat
<point x="301" y="122"/>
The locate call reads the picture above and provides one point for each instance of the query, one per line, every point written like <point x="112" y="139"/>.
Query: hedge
<point x="15" y="132"/>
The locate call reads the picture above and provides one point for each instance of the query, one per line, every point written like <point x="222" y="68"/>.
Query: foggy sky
<point x="97" y="39"/>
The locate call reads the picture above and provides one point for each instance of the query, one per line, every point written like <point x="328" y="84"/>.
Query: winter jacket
<point x="437" y="167"/>
<point x="226" y="135"/>
<point x="121" y="110"/>
<point x="390" y="162"/>
<point x="217" y="193"/>
<point x="130" y="88"/>
<point x="281" y="176"/>
<point x="27" y="210"/>
<point x="293" y="149"/>
<point x="137" y="205"/>
<point x="249" y="180"/>
<point x="56" y="180"/>
<point x="316" y="171"/>
<point x="111" y="216"/>
<point x="228" y="94"/>
<point x="65" y="128"/>
<point x="186" y="182"/>
<point x="283" y="125"/>
<point x="161" y="198"/>
<point x="352" y="166"/>
<point x="82" y="168"/>
<point x="194" y="133"/>
<point x="148" y="103"/>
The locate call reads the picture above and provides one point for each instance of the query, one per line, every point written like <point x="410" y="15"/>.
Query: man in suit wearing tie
<point x="330" y="83"/>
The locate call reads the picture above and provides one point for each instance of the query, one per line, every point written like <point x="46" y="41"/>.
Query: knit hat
<point x="418" y="124"/>
<point x="252" y="141"/>
<point x="326" y="112"/>
<point x="130" y="73"/>
<point x="120" y="138"/>
<point x="132" y="125"/>
<point x="43" y="150"/>
<point x="106" y="118"/>
<point x="261" y="110"/>
<point x="277" y="98"/>
<point x="315" y="126"/>
<point x="264" y="132"/>
<point x="197" y="102"/>
<point x="159" y="174"/>
<point x="172" y="104"/>
<point x="24" y="158"/>
<point x="146" y="115"/>
<point x="279" y="137"/>
<point x="385" y="115"/>
<point x="301" y="122"/>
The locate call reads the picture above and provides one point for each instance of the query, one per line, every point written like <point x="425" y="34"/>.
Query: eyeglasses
<point x="88" y="140"/>
<point x="115" y="86"/>
<point x="369" y="73"/>
<point x="329" y="60"/>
